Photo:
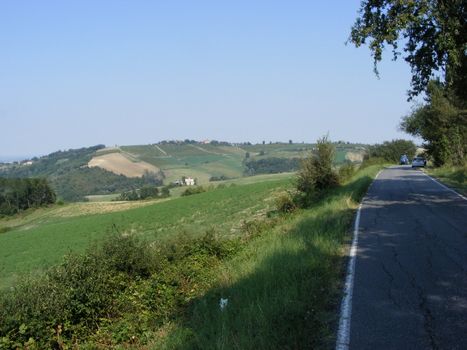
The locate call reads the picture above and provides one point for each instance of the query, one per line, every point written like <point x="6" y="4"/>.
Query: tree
<point x="434" y="33"/>
<point x="442" y="124"/>
<point x="392" y="150"/>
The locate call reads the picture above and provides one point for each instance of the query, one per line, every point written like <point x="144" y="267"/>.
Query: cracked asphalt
<point x="410" y="287"/>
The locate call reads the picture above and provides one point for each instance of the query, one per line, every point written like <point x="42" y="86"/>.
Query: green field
<point x="41" y="239"/>
<point x="281" y="274"/>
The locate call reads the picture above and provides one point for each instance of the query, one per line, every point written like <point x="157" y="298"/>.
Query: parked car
<point x="418" y="162"/>
<point x="404" y="160"/>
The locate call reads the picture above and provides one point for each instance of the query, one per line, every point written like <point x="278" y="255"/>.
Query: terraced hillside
<point x="204" y="161"/>
<point x="200" y="161"/>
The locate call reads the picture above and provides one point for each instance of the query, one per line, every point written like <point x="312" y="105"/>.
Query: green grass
<point x="282" y="279"/>
<point x="455" y="177"/>
<point x="39" y="241"/>
<point x="283" y="288"/>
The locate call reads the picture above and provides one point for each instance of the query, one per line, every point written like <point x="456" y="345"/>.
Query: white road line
<point x="444" y="186"/>
<point x="343" y="334"/>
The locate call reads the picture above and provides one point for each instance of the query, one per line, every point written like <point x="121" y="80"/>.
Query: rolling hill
<point x="99" y="170"/>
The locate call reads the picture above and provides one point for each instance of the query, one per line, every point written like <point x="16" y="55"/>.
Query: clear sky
<point x="77" y="73"/>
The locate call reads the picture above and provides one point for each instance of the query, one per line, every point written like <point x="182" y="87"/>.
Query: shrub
<point x="285" y="203"/>
<point x="4" y="229"/>
<point x="346" y="171"/>
<point x="193" y="190"/>
<point x="316" y="174"/>
<point x="367" y="161"/>
<point x="115" y="292"/>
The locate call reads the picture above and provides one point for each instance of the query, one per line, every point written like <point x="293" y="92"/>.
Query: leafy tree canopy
<point x="442" y="125"/>
<point x="434" y="34"/>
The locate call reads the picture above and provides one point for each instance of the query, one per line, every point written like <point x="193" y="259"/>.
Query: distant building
<point x="189" y="181"/>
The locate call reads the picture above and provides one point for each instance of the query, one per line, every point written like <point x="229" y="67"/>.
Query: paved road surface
<point x="410" y="287"/>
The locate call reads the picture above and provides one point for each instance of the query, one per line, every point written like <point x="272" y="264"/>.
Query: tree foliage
<point x="392" y="150"/>
<point x="442" y="123"/>
<point x="145" y="192"/>
<point x="21" y="194"/>
<point x="434" y="33"/>
<point x="271" y="165"/>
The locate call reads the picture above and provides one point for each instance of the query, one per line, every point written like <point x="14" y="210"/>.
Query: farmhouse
<point x="189" y="181"/>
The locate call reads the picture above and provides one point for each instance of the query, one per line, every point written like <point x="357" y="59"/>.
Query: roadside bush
<point x="346" y="171"/>
<point x="316" y="174"/>
<point x="115" y="293"/>
<point x="128" y="254"/>
<point x="367" y="161"/>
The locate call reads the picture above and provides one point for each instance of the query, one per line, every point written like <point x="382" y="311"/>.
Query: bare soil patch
<point x="121" y="165"/>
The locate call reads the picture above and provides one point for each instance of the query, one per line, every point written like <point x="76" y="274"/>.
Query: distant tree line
<point x="21" y="194"/>
<point x="271" y="165"/>
<point x="145" y="192"/>
<point x="218" y="178"/>
<point x="74" y="185"/>
<point x="193" y="142"/>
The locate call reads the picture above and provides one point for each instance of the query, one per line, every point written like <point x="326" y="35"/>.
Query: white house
<point x="189" y="181"/>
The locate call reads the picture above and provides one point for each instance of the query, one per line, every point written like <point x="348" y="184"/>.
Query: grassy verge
<point x="282" y="289"/>
<point x="455" y="177"/>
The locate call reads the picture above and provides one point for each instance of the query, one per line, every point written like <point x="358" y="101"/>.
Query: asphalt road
<point x="410" y="284"/>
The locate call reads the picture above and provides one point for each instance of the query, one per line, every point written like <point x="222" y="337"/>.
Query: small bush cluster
<point x="219" y="178"/>
<point x="346" y="171"/>
<point x="193" y="190"/>
<point x="286" y="203"/>
<point x="116" y="292"/>
<point x="145" y="192"/>
<point x="317" y="174"/>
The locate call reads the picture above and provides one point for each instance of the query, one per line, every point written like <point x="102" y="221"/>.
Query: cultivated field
<point x="120" y="164"/>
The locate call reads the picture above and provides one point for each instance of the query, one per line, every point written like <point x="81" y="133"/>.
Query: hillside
<point x="204" y="161"/>
<point x="99" y="170"/>
<point x="72" y="179"/>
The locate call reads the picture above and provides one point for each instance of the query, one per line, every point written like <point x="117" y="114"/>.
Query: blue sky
<point x="78" y="73"/>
